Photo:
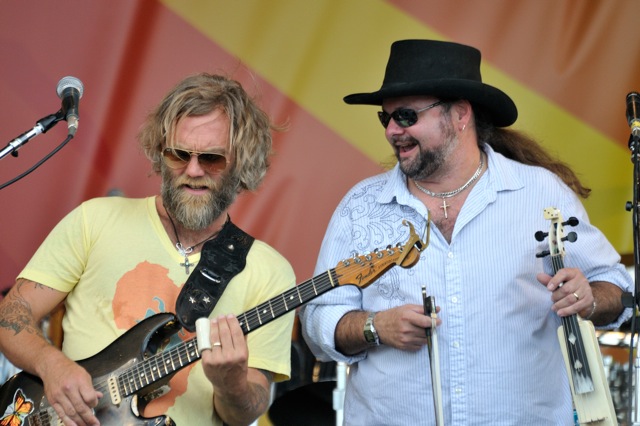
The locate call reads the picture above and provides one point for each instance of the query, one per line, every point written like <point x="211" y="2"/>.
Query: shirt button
<point x="450" y="255"/>
<point x="458" y="390"/>
<point x="456" y="344"/>
<point x="454" y="299"/>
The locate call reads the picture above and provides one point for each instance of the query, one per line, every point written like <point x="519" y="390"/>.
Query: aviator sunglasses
<point x="178" y="158"/>
<point x="404" y="117"/>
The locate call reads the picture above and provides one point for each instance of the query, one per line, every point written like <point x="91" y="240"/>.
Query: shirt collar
<point x="501" y="175"/>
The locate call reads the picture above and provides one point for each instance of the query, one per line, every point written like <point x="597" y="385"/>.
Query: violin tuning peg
<point x="572" y="221"/>
<point x="541" y="235"/>
<point x="543" y="253"/>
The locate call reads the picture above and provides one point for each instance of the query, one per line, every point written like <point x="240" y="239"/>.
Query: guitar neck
<point x="167" y="362"/>
<point x="288" y="301"/>
<point x="359" y="270"/>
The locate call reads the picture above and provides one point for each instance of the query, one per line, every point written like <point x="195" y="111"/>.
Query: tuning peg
<point x="571" y="237"/>
<point x="572" y="221"/>
<point x="543" y="253"/>
<point x="541" y="235"/>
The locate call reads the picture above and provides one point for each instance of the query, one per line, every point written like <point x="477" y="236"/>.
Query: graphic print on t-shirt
<point x="141" y="293"/>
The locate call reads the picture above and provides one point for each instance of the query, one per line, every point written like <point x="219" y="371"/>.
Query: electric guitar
<point x="578" y="341"/>
<point x="133" y="367"/>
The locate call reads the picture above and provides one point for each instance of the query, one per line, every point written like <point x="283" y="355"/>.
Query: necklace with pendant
<point x="449" y="194"/>
<point x="186" y="251"/>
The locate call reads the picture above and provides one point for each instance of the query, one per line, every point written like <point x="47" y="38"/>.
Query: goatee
<point x="198" y="212"/>
<point x="431" y="161"/>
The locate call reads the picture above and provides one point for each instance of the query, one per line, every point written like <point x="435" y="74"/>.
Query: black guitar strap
<point x="221" y="259"/>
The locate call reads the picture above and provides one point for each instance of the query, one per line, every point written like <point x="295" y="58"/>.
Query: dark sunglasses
<point x="178" y="158"/>
<point x="404" y="117"/>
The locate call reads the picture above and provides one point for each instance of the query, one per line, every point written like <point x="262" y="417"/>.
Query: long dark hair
<point x="518" y="146"/>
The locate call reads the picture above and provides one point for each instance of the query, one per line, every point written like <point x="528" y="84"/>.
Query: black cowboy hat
<point x="442" y="69"/>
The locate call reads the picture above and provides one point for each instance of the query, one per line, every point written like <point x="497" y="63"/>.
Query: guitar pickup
<point x="112" y="382"/>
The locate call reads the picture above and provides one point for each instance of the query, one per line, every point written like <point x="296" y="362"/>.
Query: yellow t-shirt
<point x="114" y="258"/>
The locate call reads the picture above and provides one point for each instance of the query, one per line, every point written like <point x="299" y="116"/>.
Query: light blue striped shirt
<point x="499" y="353"/>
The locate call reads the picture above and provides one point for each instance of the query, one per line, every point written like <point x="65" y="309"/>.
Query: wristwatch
<point x="370" y="333"/>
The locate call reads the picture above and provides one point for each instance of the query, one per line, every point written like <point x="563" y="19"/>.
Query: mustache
<point x="202" y="182"/>
<point x="403" y="140"/>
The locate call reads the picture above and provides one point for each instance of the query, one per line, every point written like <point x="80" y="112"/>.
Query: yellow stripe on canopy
<point x="316" y="52"/>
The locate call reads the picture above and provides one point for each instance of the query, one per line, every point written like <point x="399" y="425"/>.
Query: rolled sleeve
<point x="319" y="323"/>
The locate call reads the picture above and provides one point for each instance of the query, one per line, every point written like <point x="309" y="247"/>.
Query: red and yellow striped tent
<point x="568" y="65"/>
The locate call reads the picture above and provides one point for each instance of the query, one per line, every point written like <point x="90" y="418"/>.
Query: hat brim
<point x="495" y="102"/>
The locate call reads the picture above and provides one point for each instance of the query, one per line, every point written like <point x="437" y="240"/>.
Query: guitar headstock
<point x="364" y="269"/>
<point x="556" y="233"/>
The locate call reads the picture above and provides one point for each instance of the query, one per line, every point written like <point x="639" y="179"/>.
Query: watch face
<point x="369" y="337"/>
<point x="370" y="334"/>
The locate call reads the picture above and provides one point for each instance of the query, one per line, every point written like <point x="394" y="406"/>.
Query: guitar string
<point x="132" y="378"/>
<point x="310" y="289"/>
<point x="305" y="292"/>
<point x="287" y="301"/>
<point x="46" y="416"/>
<point x="277" y="306"/>
<point x="145" y="373"/>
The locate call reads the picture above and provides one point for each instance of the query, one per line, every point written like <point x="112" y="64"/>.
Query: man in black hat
<point x="487" y="190"/>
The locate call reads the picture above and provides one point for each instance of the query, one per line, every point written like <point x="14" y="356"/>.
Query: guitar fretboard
<point x="168" y="362"/>
<point x="287" y="301"/>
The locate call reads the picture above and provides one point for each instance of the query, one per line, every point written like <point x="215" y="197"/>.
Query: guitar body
<point x="136" y="344"/>
<point x="596" y="407"/>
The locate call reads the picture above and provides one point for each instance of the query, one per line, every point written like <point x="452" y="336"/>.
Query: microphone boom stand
<point x="41" y="126"/>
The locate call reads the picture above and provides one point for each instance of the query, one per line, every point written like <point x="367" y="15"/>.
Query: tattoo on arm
<point x="260" y="397"/>
<point x="16" y="313"/>
<point x="256" y="400"/>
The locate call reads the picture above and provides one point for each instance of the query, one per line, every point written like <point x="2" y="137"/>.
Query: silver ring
<point x="576" y="295"/>
<point x="217" y="344"/>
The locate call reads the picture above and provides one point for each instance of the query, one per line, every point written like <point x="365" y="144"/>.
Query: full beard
<point x="428" y="161"/>
<point x="198" y="212"/>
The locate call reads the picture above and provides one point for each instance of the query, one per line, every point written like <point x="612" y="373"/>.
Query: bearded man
<point x="116" y="262"/>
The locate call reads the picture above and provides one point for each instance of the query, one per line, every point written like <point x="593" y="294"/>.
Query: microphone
<point x="633" y="113"/>
<point x="70" y="90"/>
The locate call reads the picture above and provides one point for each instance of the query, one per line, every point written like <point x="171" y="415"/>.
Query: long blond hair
<point x="200" y="94"/>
